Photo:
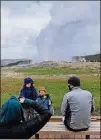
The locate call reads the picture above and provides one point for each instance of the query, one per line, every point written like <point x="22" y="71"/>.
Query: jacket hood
<point x="11" y="111"/>
<point x="28" y="80"/>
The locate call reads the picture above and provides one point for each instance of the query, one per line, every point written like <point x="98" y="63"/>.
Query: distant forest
<point x="93" y="58"/>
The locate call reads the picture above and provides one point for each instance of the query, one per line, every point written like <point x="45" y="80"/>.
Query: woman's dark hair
<point x="32" y="87"/>
<point x="75" y="81"/>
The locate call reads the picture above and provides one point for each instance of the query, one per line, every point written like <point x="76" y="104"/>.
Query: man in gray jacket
<point x="77" y="106"/>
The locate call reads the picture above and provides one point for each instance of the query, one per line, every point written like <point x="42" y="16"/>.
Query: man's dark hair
<point x="75" y="81"/>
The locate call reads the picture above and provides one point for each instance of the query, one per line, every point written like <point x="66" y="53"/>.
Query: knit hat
<point x="42" y="88"/>
<point x="28" y="80"/>
<point x="75" y="81"/>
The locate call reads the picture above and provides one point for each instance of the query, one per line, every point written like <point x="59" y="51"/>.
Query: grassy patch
<point x="57" y="71"/>
<point x="55" y="87"/>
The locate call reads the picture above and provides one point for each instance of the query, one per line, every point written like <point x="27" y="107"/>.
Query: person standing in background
<point x="29" y="92"/>
<point x="45" y="99"/>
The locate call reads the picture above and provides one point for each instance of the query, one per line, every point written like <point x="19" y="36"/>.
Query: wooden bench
<point x="57" y="130"/>
<point x="59" y="118"/>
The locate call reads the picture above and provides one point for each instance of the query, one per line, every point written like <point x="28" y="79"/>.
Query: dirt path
<point x="13" y="74"/>
<point x="5" y="74"/>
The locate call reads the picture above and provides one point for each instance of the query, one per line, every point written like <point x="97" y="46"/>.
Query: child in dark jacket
<point x="29" y="92"/>
<point x="45" y="100"/>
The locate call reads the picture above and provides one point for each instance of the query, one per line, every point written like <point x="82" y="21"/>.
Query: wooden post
<point x="87" y="136"/>
<point x="36" y="136"/>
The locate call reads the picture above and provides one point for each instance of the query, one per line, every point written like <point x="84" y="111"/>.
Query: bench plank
<point x="57" y="130"/>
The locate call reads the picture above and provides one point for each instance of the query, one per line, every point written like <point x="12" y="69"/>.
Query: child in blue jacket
<point x="29" y="92"/>
<point x="45" y="100"/>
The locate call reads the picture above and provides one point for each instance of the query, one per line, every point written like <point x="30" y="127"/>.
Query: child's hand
<point x="21" y="100"/>
<point x="44" y="96"/>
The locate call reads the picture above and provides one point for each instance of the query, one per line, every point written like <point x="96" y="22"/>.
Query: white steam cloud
<point x="21" y="23"/>
<point x="49" y="30"/>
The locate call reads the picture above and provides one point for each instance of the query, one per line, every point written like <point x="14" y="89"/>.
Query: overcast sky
<point x="49" y="30"/>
